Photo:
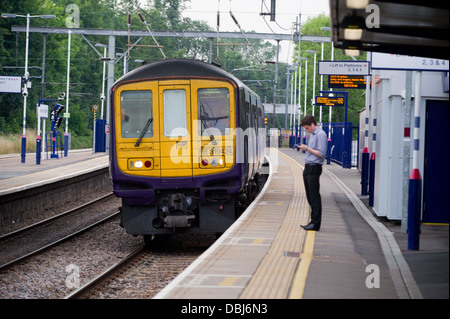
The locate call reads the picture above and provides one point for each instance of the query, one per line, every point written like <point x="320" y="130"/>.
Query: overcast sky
<point x="247" y="13"/>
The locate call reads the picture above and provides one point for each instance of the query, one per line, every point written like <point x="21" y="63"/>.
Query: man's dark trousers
<point x="311" y="177"/>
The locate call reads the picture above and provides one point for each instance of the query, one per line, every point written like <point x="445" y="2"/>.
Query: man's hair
<point x="308" y="120"/>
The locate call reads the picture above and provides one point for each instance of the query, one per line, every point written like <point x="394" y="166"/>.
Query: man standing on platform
<point x="316" y="151"/>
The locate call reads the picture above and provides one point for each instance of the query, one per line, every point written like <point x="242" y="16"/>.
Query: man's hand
<point x="303" y="147"/>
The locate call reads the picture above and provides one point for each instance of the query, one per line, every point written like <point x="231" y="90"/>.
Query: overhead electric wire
<point x="243" y="33"/>
<point x="189" y="22"/>
<point x="151" y="33"/>
<point x="185" y="20"/>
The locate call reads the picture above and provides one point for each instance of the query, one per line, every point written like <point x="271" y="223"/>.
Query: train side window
<point x="260" y="117"/>
<point x="247" y="111"/>
<point x="136" y="109"/>
<point x="254" y="123"/>
<point x="213" y="109"/>
<point x="175" y="123"/>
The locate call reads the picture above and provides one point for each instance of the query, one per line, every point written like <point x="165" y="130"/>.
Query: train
<point x="187" y="147"/>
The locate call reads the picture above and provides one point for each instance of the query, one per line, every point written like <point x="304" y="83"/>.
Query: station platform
<point x="16" y="176"/>
<point x="265" y="254"/>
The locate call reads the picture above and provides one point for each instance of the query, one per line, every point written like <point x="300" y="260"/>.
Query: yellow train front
<point x="187" y="146"/>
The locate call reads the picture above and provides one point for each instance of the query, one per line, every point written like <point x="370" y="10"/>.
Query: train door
<point x="137" y="128"/>
<point x="175" y="129"/>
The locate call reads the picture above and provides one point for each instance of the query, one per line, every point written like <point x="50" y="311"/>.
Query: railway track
<point x="30" y="240"/>
<point x="146" y="270"/>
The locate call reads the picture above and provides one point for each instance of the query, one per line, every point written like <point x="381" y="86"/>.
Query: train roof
<point x="177" y="68"/>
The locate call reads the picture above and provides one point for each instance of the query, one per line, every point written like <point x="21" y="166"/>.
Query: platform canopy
<point x="407" y="27"/>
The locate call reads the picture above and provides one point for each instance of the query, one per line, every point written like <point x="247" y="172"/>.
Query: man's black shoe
<point x="310" y="226"/>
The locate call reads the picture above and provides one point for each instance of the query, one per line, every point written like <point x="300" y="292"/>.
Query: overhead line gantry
<point x="112" y="34"/>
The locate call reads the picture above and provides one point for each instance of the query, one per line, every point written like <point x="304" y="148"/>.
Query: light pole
<point x="288" y="75"/>
<point x="321" y="89"/>
<point x="313" y="101"/>
<point x="26" y="75"/>
<point x="66" y="115"/>
<point x="306" y="94"/>
<point x="298" y="134"/>
<point x="330" y="108"/>
<point x="102" y="96"/>
<point x="125" y="61"/>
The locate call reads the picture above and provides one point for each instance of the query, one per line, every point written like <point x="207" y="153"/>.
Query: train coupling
<point x="176" y="211"/>
<point x="175" y="221"/>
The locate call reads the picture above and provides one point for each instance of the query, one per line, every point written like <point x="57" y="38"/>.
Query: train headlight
<point x="138" y="164"/>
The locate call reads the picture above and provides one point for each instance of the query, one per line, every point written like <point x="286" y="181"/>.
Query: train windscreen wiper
<point x="205" y="117"/>
<point x="150" y="120"/>
<point x="217" y="118"/>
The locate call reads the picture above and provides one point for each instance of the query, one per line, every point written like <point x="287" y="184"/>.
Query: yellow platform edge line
<point x="299" y="281"/>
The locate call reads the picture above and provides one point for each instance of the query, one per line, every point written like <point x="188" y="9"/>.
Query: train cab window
<point x="213" y="109"/>
<point x="136" y="110"/>
<point x="175" y="123"/>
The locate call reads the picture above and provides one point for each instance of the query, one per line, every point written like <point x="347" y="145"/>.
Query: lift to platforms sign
<point x="344" y="68"/>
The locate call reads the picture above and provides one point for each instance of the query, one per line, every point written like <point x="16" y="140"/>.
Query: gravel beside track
<point x="45" y="276"/>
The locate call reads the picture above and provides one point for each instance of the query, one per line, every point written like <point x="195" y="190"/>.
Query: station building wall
<point x="389" y="115"/>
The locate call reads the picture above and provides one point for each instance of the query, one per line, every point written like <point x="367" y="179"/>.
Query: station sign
<point x="387" y="61"/>
<point x="329" y="101"/>
<point x="344" y="68"/>
<point x="274" y="132"/>
<point x="43" y="111"/>
<point x="10" y="84"/>
<point x="346" y="82"/>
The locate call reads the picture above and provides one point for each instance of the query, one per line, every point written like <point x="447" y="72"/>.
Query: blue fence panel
<point x="100" y="136"/>
<point x="338" y="145"/>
